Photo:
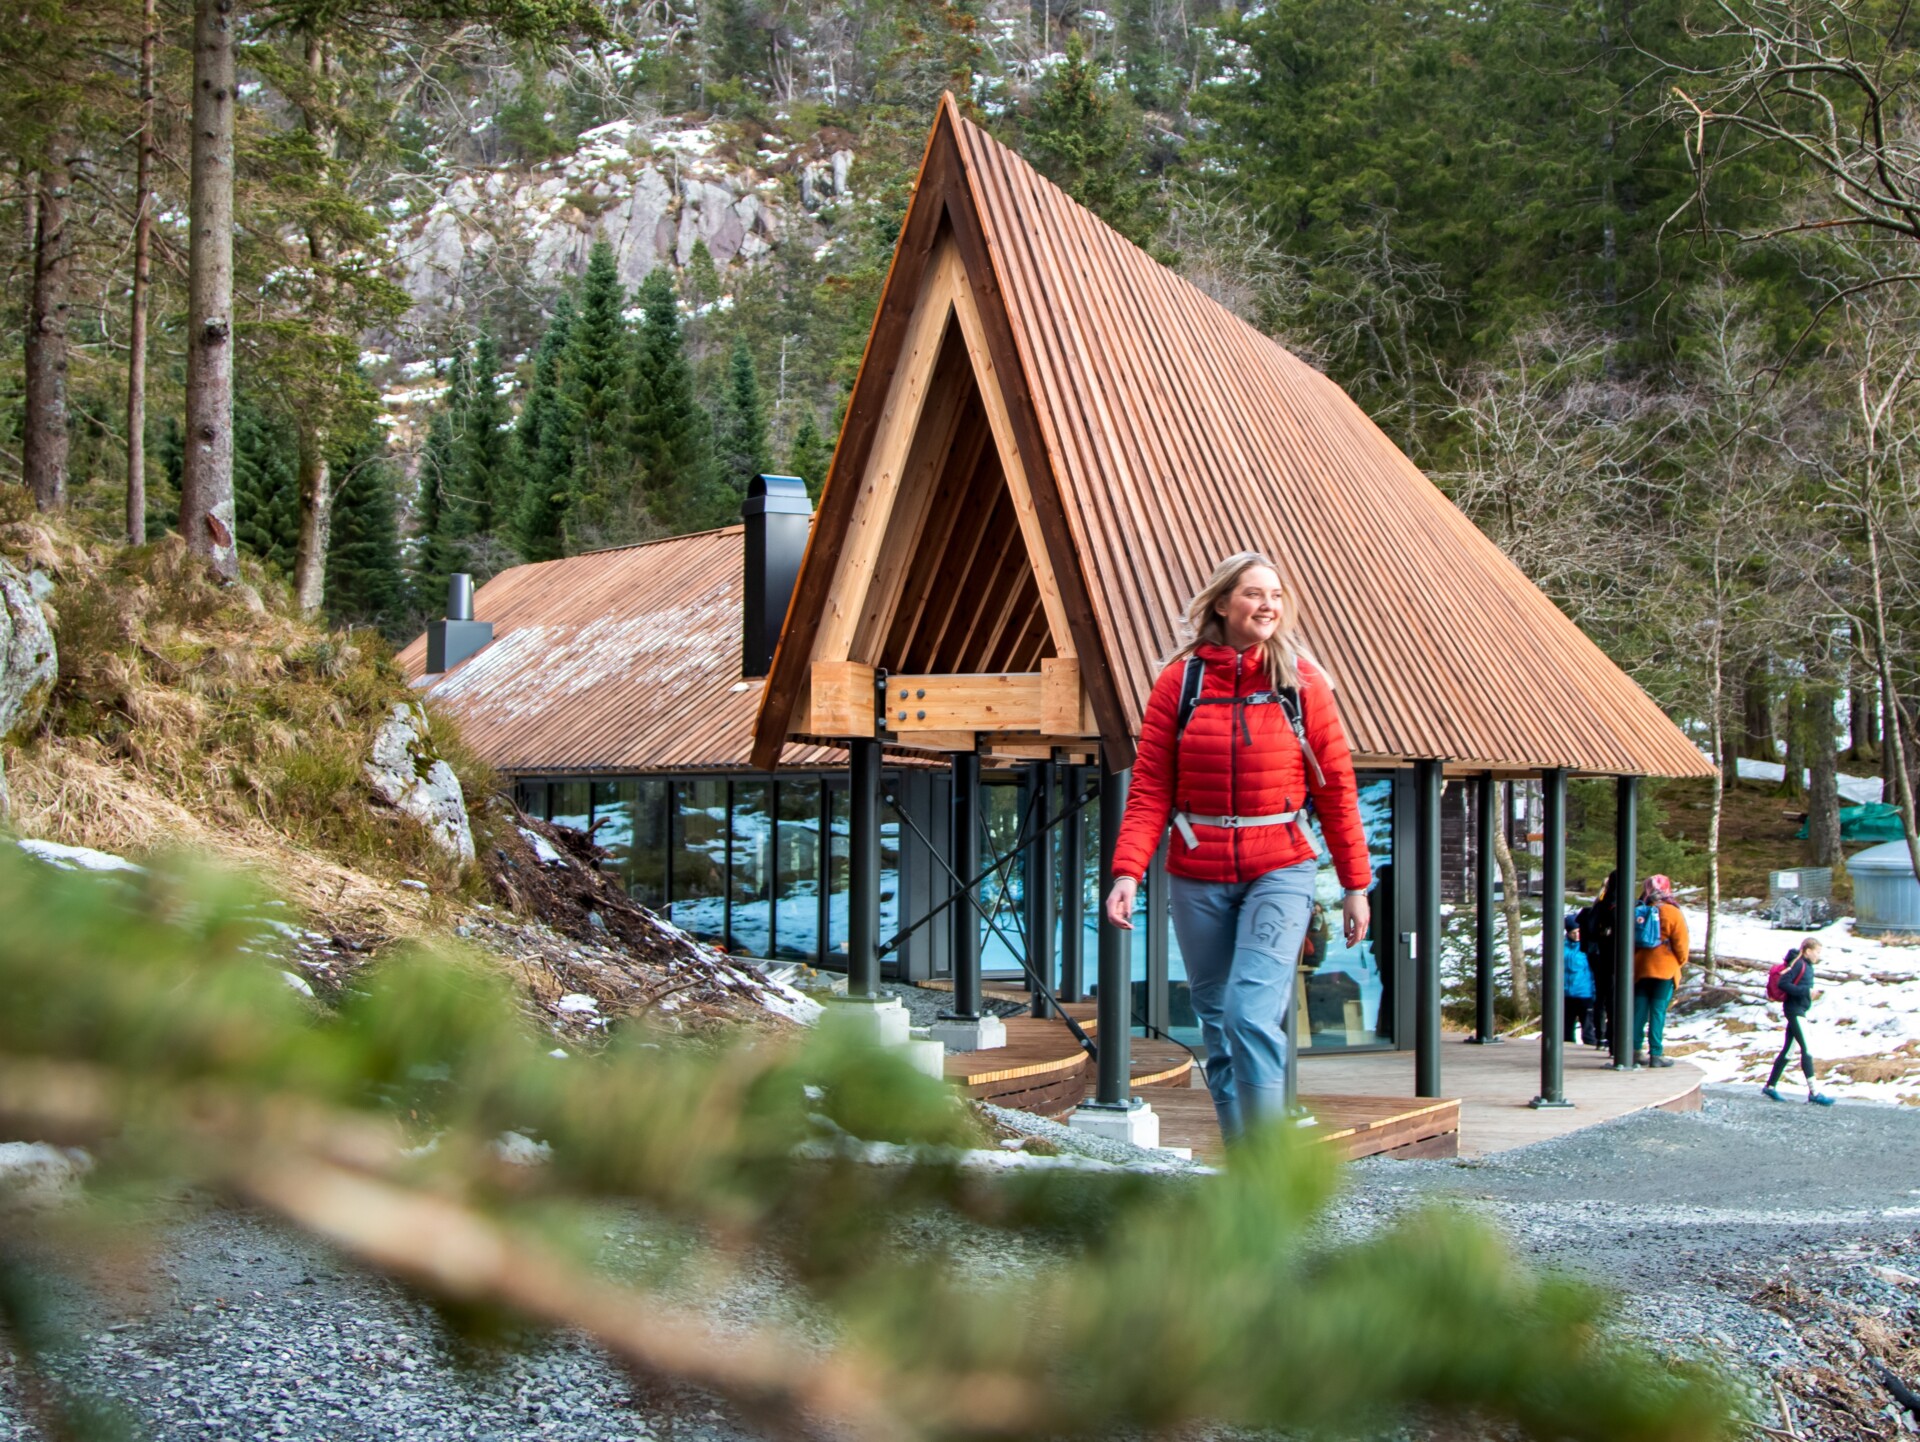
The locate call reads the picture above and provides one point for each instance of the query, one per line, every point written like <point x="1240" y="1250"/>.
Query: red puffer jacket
<point x="1225" y="770"/>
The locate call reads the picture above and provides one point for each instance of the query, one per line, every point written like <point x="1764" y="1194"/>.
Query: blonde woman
<point x="1259" y="737"/>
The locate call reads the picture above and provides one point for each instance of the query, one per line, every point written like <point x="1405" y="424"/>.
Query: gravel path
<point x="1782" y="1236"/>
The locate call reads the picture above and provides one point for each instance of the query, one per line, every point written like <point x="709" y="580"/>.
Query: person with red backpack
<point x="1240" y="736"/>
<point x="1791" y="984"/>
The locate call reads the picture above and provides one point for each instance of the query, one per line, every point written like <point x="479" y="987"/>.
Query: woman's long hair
<point x="1280" y="652"/>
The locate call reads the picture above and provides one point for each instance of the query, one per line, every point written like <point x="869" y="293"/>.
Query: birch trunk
<point x="142" y="275"/>
<point x="206" y="485"/>
<point x="1895" y="733"/>
<point x="45" y="443"/>
<point x="316" y="520"/>
<point x="1717" y="699"/>
<point x="1510" y="904"/>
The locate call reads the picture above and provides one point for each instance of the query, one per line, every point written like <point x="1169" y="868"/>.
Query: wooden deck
<point x="1043" y="1069"/>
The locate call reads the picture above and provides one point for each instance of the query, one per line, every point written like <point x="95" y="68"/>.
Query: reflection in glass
<point x="647" y="859"/>
<point x="797" y="871"/>
<point x="700" y="858"/>
<point x="839" y="866"/>
<point x="752" y="875"/>
<point x="613" y="803"/>
<point x="572" y="804"/>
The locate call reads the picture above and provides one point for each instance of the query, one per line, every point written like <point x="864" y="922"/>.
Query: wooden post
<point x="1553" y="938"/>
<point x="1486" y="1029"/>
<point x="1426" y="929"/>
<point x="1626" y="825"/>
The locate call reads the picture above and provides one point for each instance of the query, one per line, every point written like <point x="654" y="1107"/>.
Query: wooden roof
<point x="1146" y="432"/>
<point x="618" y="661"/>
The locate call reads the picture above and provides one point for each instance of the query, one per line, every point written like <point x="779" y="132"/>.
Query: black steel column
<point x="863" y="864"/>
<point x="1626" y="826"/>
<point x="1073" y="888"/>
<point x="965" y="859"/>
<point x="1041" y="911"/>
<point x="1116" y="959"/>
<point x="1553" y="942"/>
<point x="1426" y="929"/>
<point x="1486" y="1027"/>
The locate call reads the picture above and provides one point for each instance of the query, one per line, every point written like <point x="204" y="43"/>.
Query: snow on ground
<point x="74" y="858"/>
<point x="1854" y="790"/>
<point x="1865" y="1020"/>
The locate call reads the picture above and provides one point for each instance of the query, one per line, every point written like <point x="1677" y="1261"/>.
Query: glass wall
<point x="697" y="859"/>
<point x="797" y="862"/>
<point x="750" y="870"/>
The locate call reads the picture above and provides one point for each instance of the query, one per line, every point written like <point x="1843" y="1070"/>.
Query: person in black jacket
<point x="1796" y="984"/>
<point x="1597" y="924"/>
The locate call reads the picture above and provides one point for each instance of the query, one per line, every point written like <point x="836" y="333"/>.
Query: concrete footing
<point x="1135" y="1122"/>
<point x="926" y="1055"/>
<point x="886" y="1022"/>
<point x="980" y="1033"/>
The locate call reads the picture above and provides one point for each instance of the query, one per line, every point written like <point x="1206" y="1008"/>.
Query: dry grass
<point x="193" y="714"/>
<point x="1896" y="1065"/>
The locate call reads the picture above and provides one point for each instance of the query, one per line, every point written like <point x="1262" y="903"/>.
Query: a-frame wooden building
<point x="1051" y="442"/>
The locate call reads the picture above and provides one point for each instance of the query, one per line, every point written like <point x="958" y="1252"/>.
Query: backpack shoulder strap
<point x="1191" y="680"/>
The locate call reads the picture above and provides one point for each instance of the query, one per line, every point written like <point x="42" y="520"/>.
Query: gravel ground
<point x="1782" y="1237"/>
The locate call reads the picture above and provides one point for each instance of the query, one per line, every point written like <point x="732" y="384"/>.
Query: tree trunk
<point x="1717" y="696"/>
<point x="1793" y="779"/>
<point x="1510" y="886"/>
<point x="316" y="478"/>
<point x="142" y="273"/>
<point x="1896" y="729"/>
<point x="45" y="443"/>
<point x="206" y="484"/>
<point x="1823" y="786"/>
<point x="316" y="520"/>
<point x="1756" y="741"/>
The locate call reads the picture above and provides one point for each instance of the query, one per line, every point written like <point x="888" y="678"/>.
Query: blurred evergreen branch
<point x="141" y="1026"/>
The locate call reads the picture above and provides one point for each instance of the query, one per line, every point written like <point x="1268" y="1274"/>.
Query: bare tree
<point x="142" y="284"/>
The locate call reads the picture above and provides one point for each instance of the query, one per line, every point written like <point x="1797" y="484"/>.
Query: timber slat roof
<point x="1167" y="433"/>
<point x="613" y="662"/>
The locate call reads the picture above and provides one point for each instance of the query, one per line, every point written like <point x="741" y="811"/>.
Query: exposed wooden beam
<point x="935" y="741"/>
<point x="973" y="331"/>
<point x="1064" y="708"/>
<point x="1005" y="702"/>
<point x="893" y="442"/>
<point x="842" y="699"/>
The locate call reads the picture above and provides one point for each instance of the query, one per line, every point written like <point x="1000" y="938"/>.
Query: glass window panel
<point x="613" y="803"/>
<point x="839" y="866"/>
<point x="750" y="825"/>
<point x="889" y="861"/>
<point x="1342" y="988"/>
<point x="1002" y="893"/>
<point x="797" y="871"/>
<point x="700" y="858"/>
<point x="572" y="804"/>
<point x="531" y="797"/>
<point x="647" y="861"/>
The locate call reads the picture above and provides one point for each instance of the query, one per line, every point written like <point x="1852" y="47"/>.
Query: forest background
<point x="1637" y="284"/>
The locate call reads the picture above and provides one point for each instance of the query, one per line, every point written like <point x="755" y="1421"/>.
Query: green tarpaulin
<point x="1877" y="822"/>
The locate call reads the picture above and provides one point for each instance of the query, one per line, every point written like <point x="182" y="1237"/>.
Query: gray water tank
<point x="1886" y="894"/>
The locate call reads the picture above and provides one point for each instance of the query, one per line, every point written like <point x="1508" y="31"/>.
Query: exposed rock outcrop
<point x="407" y="773"/>
<point x="28" y="663"/>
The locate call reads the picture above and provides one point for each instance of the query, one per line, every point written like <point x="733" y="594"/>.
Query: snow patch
<point x="75" y="858"/>
<point x="548" y="853"/>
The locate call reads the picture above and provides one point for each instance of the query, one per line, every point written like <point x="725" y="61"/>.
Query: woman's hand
<point x="1120" y="902"/>
<point x="1354" y="914"/>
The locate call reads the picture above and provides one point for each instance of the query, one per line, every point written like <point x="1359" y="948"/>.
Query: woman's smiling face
<point x="1251" y="610"/>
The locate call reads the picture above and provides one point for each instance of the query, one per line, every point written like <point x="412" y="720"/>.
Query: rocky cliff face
<point x="651" y="191"/>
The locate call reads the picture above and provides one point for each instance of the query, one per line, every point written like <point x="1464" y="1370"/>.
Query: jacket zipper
<point x="1233" y="767"/>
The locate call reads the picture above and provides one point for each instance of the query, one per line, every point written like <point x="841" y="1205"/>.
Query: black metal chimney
<point x="778" y="515"/>
<point x="451" y="641"/>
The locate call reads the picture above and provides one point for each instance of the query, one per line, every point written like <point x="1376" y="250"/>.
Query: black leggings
<point x="1794" y="1034"/>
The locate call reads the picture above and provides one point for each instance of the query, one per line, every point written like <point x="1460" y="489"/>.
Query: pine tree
<point x="810" y="454"/>
<point x="741" y="431"/>
<point x="671" y="433"/>
<point x="543" y="446"/>
<point x="265" y="485"/>
<point x="365" y="585"/>
<point x="432" y="563"/>
<point x="1083" y="134"/>
<point x="598" y="382"/>
<point x="484" y="463"/>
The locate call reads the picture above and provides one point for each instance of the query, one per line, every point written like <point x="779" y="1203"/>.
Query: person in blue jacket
<point x="1579" y="1010"/>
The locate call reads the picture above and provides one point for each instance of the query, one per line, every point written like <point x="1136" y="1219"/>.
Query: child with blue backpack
<point x="1579" y="1009"/>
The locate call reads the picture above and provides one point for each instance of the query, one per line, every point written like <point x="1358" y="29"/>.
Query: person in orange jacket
<point x="1656" y="968"/>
